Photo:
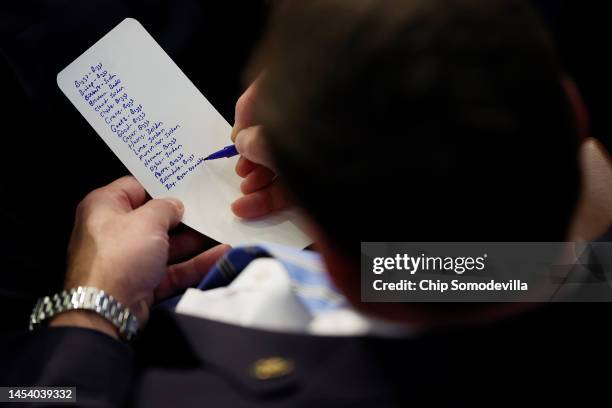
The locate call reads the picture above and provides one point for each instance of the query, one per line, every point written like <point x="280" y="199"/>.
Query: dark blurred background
<point x="44" y="138"/>
<point x="582" y="32"/>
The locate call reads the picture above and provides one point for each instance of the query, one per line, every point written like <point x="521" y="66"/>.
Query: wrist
<point x="98" y="280"/>
<point x="100" y="305"/>
<point x="119" y="289"/>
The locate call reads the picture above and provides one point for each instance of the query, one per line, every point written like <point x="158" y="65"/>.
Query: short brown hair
<point x="420" y="120"/>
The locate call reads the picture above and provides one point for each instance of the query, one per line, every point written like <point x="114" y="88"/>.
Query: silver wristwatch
<point x="86" y="298"/>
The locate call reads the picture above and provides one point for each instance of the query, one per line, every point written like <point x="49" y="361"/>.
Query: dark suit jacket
<point x="553" y="354"/>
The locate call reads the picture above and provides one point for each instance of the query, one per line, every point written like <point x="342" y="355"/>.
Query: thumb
<point x="250" y="144"/>
<point x="164" y="213"/>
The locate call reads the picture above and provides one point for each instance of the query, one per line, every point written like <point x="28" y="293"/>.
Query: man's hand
<point x="120" y="244"/>
<point x="262" y="193"/>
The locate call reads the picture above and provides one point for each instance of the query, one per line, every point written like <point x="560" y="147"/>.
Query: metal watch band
<point x="86" y="298"/>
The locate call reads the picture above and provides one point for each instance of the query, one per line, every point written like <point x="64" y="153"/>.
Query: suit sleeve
<point x="99" y="366"/>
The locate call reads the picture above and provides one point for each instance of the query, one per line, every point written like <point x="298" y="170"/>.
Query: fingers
<point x="262" y="196"/>
<point x="244" y="166"/>
<point x="259" y="178"/>
<point x="188" y="273"/>
<point x="245" y="110"/>
<point x="261" y="202"/>
<point x="163" y="213"/>
<point x="250" y="144"/>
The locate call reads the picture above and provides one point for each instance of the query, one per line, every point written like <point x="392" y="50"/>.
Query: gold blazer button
<point x="272" y="367"/>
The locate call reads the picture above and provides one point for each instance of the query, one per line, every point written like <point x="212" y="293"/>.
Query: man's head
<point x="422" y="120"/>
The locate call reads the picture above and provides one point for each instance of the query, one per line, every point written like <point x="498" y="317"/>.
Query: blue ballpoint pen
<point x="227" y="151"/>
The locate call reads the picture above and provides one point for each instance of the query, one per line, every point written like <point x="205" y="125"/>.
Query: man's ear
<point x="593" y="215"/>
<point x="578" y="105"/>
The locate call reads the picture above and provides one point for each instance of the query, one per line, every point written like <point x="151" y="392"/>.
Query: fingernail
<point x="239" y="142"/>
<point x="235" y="127"/>
<point x="177" y="203"/>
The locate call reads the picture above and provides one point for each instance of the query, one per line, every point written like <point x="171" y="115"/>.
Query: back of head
<point x="421" y="120"/>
